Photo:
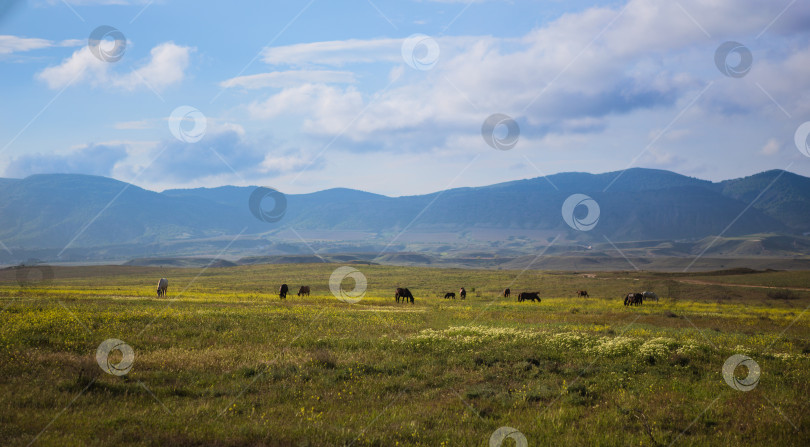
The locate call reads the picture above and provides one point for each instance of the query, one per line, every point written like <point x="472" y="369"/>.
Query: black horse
<point x="404" y="294"/>
<point x="529" y="296"/>
<point x="282" y="292"/>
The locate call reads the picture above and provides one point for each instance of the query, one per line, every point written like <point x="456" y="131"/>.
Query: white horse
<point x="163" y="286"/>
<point x="650" y="296"/>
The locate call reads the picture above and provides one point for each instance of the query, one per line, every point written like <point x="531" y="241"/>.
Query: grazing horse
<point x="583" y="293"/>
<point x="462" y="293"/>
<point x="282" y="292"/>
<point x="633" y="299"/>
<point x="506" y="293"/>
<point x="303" y="291"/>
<point x="404" y="294"/>
<point x="449" y="295"/>
<point x="529" y="296"/>
<point x="650" y="296"/>
<point x="163" y="286"/>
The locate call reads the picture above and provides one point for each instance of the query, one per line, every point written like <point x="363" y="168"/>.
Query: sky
<point x="400" y="97"/>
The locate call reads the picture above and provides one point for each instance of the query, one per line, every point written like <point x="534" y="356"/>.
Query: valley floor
<point x="223" y="361"/>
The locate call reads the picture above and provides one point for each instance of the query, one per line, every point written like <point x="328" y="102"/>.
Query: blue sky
<point x="309" y="95"/>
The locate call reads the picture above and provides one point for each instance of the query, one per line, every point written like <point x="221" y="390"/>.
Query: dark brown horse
<point x="506" y="293"/>
<point x="529" y="296"/>
<point x="633" y="299"/>
<point x="404" y="294"/>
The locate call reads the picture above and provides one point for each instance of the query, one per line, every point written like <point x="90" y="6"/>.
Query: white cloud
<point x="171" y="163"/>
<point x="772" y="146"/>
<point x="572" y="75"/>
<point x="335" y="53"/>
<point x="777" y="85"/>
<point x="93" y="159"/>
<point x="282" y="79"/>
<point x="590" y="89"/>
<point x="15" y="44"/>
<point x="80" y="66"/>
<point x="329" y="107"/>
<point x="166" y="66"/>
<point x="284" y="163"/>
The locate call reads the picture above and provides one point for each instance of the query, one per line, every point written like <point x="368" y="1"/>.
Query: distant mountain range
<point x="71" y="214"/>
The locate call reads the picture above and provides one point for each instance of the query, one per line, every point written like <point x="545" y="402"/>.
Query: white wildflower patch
<point x="639" y="343"/>
<point x="474" y="334"/>
<point x="658" y="347"/>
<point x="615" y="347"/>
<point x="569" y="340"/>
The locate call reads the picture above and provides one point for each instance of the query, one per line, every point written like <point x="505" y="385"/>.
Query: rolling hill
<point x="55" y="211"/>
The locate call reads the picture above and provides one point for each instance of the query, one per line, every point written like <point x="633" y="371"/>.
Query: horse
<point x="633" y="299"/>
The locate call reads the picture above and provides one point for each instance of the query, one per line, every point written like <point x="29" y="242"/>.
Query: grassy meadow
<point x="222" y="361"/>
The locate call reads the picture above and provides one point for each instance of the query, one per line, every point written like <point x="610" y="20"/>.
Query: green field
<point x="222" y="361"/>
